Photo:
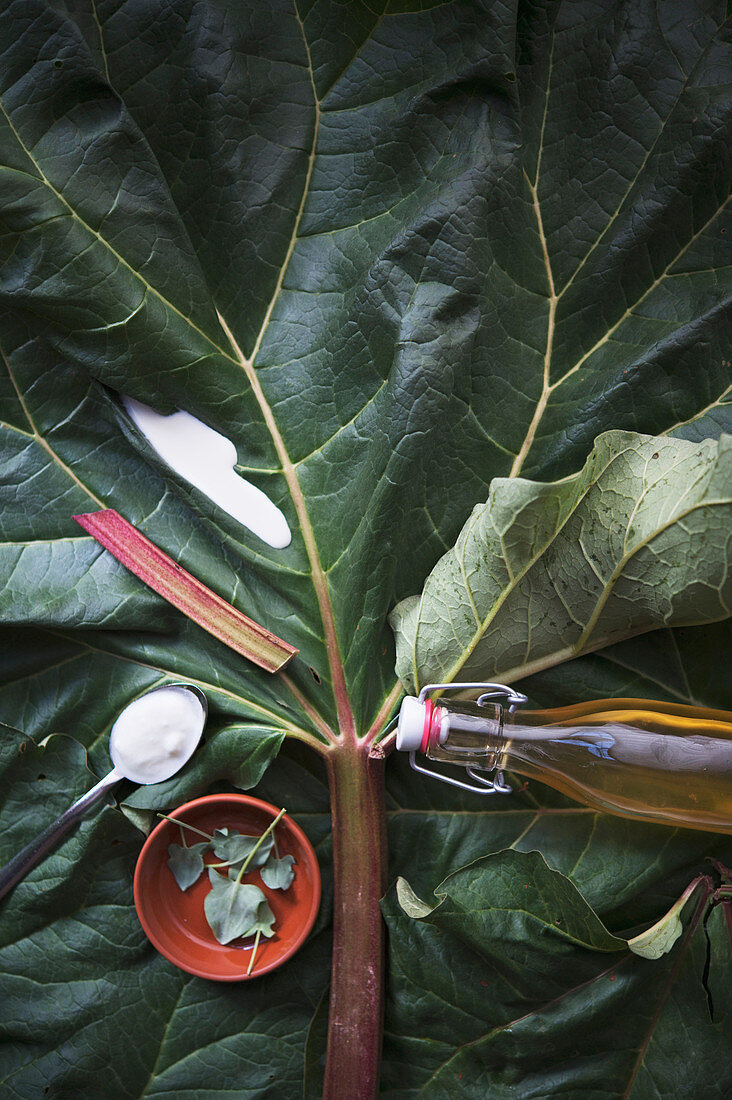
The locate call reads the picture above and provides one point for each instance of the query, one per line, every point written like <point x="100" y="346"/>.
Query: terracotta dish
<point x="174" y="919"/>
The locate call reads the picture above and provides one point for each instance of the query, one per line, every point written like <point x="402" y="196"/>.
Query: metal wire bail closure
<point x="484" y="783"/>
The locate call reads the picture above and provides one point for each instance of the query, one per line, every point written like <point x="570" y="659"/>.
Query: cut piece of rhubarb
<point x="143" y="558"/>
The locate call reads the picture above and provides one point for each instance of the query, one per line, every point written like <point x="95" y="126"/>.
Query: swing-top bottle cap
<point x="410" y="730"/>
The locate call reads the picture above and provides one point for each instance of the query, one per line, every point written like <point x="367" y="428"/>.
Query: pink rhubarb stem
<point x="143" y="558"/>
<point x="356" y="783"/>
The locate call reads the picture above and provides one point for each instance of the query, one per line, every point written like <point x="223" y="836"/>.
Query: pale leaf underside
<point x="542" y="573"/>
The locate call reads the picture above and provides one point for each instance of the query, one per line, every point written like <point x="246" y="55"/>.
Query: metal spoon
<point x="124" y="768"/>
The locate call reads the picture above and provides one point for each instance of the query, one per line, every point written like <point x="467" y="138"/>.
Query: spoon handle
<point x="28" y="857"/>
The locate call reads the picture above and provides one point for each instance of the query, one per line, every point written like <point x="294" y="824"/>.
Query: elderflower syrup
<point x="637" y="758"/>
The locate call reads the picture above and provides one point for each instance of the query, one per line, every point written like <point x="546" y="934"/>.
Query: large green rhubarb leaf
<point x="501" y="986"/>
<point x="543" y="573"/>
<point x="392" y="252"/>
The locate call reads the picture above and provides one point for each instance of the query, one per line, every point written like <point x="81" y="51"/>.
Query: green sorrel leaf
<point x="186" y="864"/>
<point x="263" y="921"/>
<point x="231" y="907"/>
<point x="543" y="573"/>
<point x="278" y="873"/>
<point x="235" y="848"/>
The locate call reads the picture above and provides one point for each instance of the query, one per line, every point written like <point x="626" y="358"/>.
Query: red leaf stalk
<point x="356" y="784"/>
<point x="143" y="558"/>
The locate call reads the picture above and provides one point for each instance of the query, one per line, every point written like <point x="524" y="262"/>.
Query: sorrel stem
<point x="357" y="979"/>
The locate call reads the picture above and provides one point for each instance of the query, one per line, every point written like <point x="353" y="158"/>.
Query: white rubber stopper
<point x="411" y="724"/>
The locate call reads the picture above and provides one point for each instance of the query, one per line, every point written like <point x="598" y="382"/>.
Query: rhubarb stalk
<point x="356" y="782"/>
<point x="148" y="562"/>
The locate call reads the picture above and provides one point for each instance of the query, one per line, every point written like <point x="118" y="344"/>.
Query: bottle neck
<point x="465" y="733"/>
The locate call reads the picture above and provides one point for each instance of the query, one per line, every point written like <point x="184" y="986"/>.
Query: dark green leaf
<point x="453" y="242"/>
<point x="514" y="908"/>
<point x="511" y="980"/>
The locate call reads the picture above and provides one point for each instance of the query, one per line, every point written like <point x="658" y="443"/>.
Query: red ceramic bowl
<point x="174" y="919"/>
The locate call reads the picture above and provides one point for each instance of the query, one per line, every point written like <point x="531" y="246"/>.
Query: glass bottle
<point x="634" y="757"/>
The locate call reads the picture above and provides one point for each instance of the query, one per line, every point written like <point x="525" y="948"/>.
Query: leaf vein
<point x="104" y="242"/>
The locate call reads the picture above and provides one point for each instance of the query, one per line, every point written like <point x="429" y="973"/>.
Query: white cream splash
<point x="206" y="459"/>
<point x="156" y="734"/>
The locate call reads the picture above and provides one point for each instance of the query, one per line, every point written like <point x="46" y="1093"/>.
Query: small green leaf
<point x="659" y="939"/>
<point x="263" y="921"/>
<point x="278" y="873"/>
<point x="235" y="847"/>
<point x="233" y="908"/>
<point x="186" y="864"/>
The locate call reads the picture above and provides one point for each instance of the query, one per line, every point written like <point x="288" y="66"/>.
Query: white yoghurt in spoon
<point x="157" y="734"/>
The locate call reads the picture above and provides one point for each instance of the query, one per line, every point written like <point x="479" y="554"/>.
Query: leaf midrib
<point x="554" y="297"/>
<point x="693" y="923"/>
<point x="344" y="710"/>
